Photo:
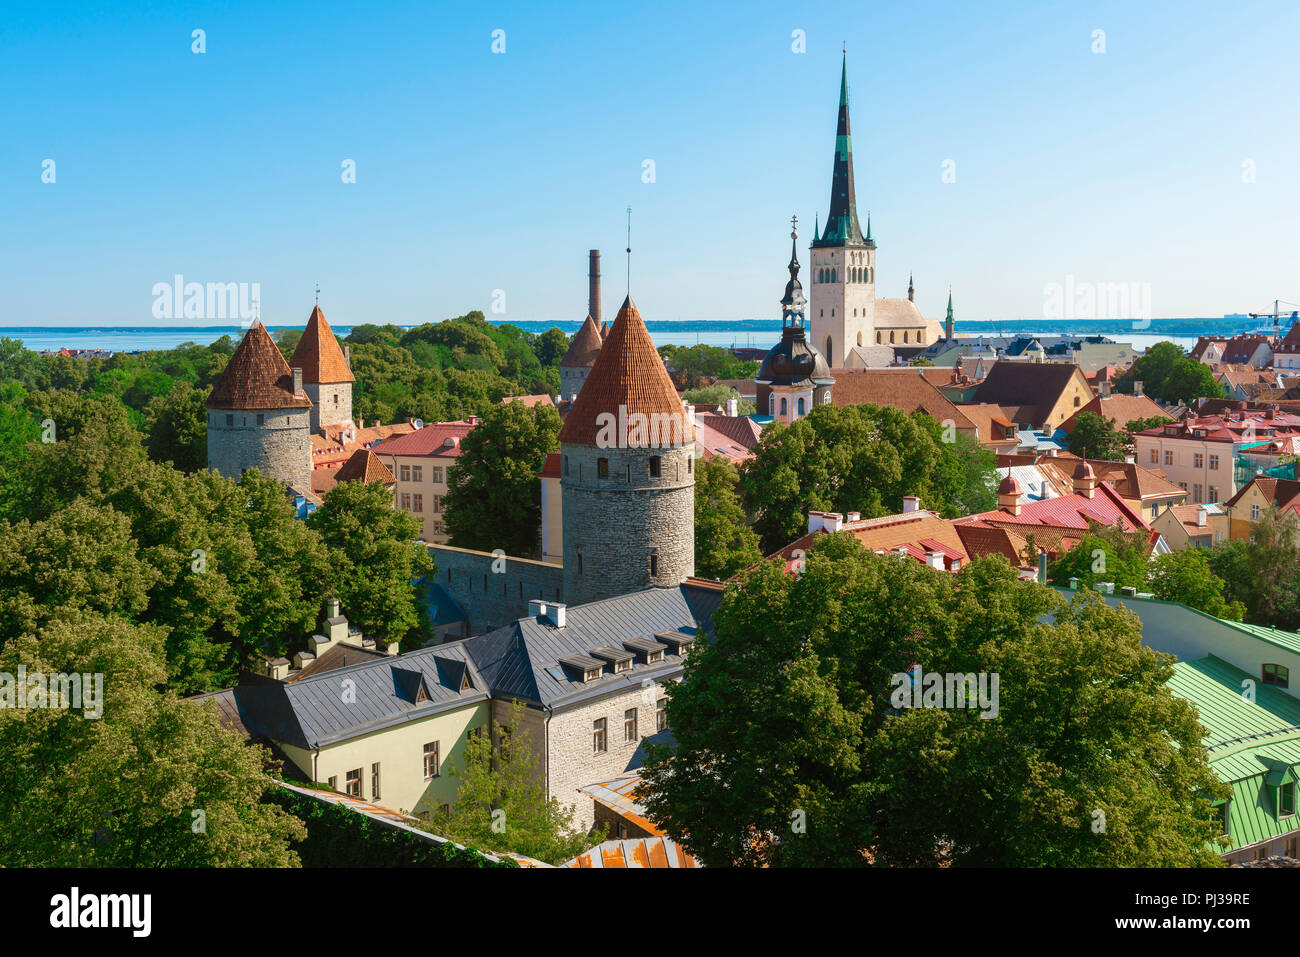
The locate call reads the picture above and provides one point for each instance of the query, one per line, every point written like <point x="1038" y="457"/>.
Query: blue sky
<point x="478" y="171"/>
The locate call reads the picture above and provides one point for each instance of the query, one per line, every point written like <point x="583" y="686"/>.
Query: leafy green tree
<point x="711" y="395"/>
<point x="919" y="360"/>
<point x="1263" y="573"/>
<point x="1096" y="437"/>
<point x="177" y="428"/>
<point x="501" y="800"/>
<point x="551" y="347"/>
<point x="793" y="747"/>
<point x="1105" y="554"/>
<point x="375" y="559"/>
<point x="152" y="781"/>
<point x="494" y="495"/>
<point x="861" y="458"/>
<point x="286" y="340"/>
<point x="1185" y="576"/>
<point x="724" y="542"/>
<point x="1170" y="375"/>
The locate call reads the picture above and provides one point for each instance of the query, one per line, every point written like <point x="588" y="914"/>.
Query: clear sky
<point x="479" y="171"/>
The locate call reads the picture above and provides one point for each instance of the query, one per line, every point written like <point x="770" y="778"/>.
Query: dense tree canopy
<point x="794" y="747"/>
<point x="861" y="458"/>
<point x="494" y="495"/>
<point x="724" y="542"/>
<point x="1170" y="375"/>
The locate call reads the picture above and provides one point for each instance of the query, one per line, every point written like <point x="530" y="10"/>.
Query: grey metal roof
<point x="312" y="712"/>
<point x="514" y="659"/>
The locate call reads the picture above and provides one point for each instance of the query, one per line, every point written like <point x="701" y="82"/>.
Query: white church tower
<point x="843" y="261"/>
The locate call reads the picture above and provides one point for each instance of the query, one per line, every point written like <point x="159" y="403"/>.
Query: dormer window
<point x="1278" y="675"/>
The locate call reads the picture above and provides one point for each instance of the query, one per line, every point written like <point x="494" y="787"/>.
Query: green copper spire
<point x="842" y="228"/>
<point x="816" y="227"/>
<point x="947" y="323"/>
<point x="868" y="225"/>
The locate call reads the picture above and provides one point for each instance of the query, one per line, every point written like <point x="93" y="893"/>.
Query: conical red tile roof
<point x="628" y="372"/>
<point x="584" y="348"/>
<point x="365" y="466"/>
<point x="257" y="377"/>
<point x="318" y="353"/>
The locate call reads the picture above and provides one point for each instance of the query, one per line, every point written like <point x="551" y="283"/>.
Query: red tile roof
<point x="1121" y="408"/>
<point x="628" y="374"/>
<point x="585" y="346"/>
<point x="551" y="467"/>
<point x="907" y="389"/>
<point x="257" y="377"/>
<point x="365" y="466"/>
<point x="439" y="440"/>
<point x="318" y="353"/>
<point x="1070" y="512"/>
<point x="531" y="401"/>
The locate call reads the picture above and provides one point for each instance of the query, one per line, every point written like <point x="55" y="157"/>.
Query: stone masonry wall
<point x="494" y="592"/>
<point x="571" y="761"/>
<point x="280" y="447"/>
<point x="616" y="523"/>
<point x="324" y="411"/>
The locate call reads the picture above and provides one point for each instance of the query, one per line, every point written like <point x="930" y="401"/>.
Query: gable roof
<point x="522" y="659"/>
<point x="1119" y="407"/>
<point x="906" y="389"/>
<point x="364" y="466"/>
<point x="584" y="347"/>
<point x="256" y="377"/>
<point x="915" y="533"/>
<point x="627" y="374"/>
<point x="439" y="440"/>
<point x="1026" y="383"/>
<point x="307" y="713"/>
<point x="318" y="353"/>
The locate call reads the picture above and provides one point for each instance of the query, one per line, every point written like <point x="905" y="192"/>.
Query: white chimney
<point x="830" y="521"/>
<point x="1105" y="388"/>
<point x="1137" y="387"/>
<point x="1202" y="518"/>
<point x="690" y="413"/>
<point x="934" y="560"/>
<point x="911" y="503"/>
<point x="853" y="517"/>
<point x="278" y="668"/>
<point x="547" y="612"/>
<point x="732" y="408"/>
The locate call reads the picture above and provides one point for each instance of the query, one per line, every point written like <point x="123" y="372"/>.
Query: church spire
<point x="842" y="226"/>
<point x="793" y="302"/>
<point x="911" y="289"/>
<point x="947" y="323"/>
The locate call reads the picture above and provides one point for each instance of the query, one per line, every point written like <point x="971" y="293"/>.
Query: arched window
<point x="859" y="338"/>
<point x="830" y="361"/>
<point x="784" y="407"/>
<point x="834" y="274"/>
<point x="826" y="397"/>
<point x="878" y="338"/>
<point x="800" y="405"/>
<point x="1076" y="401"/>
<point x="891" y="338"/>
<point x="904" y="336"/>
<point x="771" y="405"/>
<point x="602" y="468"/>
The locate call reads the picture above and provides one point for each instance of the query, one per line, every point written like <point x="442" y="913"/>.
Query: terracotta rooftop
<point x="1026" y="383"/>
<point x="531" y="401"/>
<point x="628" y="374"/>
<point x="1121" y="408"/>
<point x="364" y="466"/>
<point x="908" y="389"/>
<point x="318" y="353"/>
<point x="551" y="466"/>
<point x="439" y="440"/>
<point x="1071" y="512"/>
<point x="256" y="377"/>
<point x="584" y="348"/>
<point x="1281" y="492"/>
<point x="914" y="533"/>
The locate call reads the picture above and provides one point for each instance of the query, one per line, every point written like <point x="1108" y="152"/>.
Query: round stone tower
<point x="579" y="359"/>
<point x="259" y="416"/>
<point x="627" y="473"/>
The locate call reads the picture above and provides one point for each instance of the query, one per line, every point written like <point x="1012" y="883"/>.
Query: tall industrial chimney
<point x="593" y="286"/>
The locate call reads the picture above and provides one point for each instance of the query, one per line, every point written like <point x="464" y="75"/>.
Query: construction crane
<point x="1276" y="314"/>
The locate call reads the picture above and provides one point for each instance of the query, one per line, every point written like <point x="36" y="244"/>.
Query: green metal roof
<point x="1250" y="743"/>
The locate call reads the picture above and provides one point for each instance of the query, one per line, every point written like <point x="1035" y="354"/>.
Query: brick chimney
<point x="593" y="285"/>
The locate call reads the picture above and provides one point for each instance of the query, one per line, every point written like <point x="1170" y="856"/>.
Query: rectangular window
<point x="602" y="468"/>
<point x="261" y="419"/>
<point x="435" y="473"/>
<point x="1214" y="493"/>
<point x="661" y="714"/>
<point x="654" y="466"/>
<point x="405" y="473"/>
<point x="1196" y="492"/>
<point x="1155" y="455"/>
<point x="333" y="783"/>
<point x="654" y="565"/>
<point x="230" y="421"/>
<point x="417" y="503"/>
<point x="598" y="736"/>
<point x="437" y="504"/>
<point x="629" y="724"/>
<point x="1279" y="675"/>
<point x="406" y="501"/>
<point x="1198" y="460"/>
<point x="1214" y="462"/>
<point x="417" y="473"/>
<point x="437" y="528"/>
<point x="1286" y="798"/>
<point x="432" y="766"/>
<point x="374" y="781"/>
<point x="354" y="783"/>
<point x="1169" y="458"/>
<point x="1254" y="513"/>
